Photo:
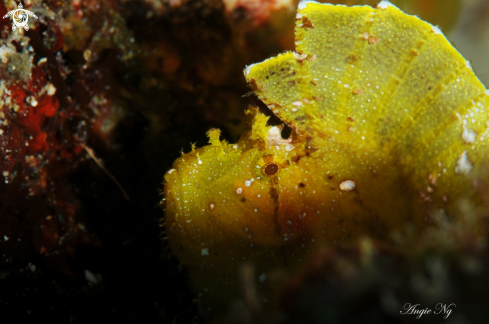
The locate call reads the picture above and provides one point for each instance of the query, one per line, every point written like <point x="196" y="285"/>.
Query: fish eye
<point x="270" y="169"/>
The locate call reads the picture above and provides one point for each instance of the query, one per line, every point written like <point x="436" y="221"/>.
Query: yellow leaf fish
<point x="389" y="125"/>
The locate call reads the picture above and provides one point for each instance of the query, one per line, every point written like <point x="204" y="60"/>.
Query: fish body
<point x="389" y="127"/>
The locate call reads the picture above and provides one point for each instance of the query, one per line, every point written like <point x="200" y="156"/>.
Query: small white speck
<point x="5" y="237"/>
<point x="347" y="185"/>
<point x="463" y="164"/>
<point x="384" y="4"/>
<point x="204" y="252"/>
<point x="297" y="103"/>
<point x="199" y="161"/>
<point x="436" y="30"/>
<point x="50" y="89"/>
<point x="170" y="171"/>
<point x="212" y="206"/>
<point x="239" y="191"/>
<point x="247" y="183"/>
<point x="304" y="4"/>
<point x="294" y="109"/>
<point x="256" y="210"/>
<point x="92" y="278"/>
<point x="247" y="70"/>
<point x="31" y="101"/>
<point x="42" y="61"/>
<point x="469" y="136"/>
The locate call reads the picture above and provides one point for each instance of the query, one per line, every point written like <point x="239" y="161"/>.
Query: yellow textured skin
<point x="390" y="125"/>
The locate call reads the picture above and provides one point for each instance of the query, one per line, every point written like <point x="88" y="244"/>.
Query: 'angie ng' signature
<point x="411" y="309"/>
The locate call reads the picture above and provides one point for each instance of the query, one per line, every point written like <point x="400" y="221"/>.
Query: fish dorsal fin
<point x="372" y="75"/>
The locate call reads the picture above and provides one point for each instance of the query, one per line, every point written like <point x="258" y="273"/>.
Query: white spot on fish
<point x="304" y="4"/>
<point x="468" y="135"/>
<point x="347" y="185"/>
<point x="436" y="30"/>
<point x="384" y="4"/>
<point x="247" y="70"/>
<point x="300" y="57"/>
<point x="463" y="164"/>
